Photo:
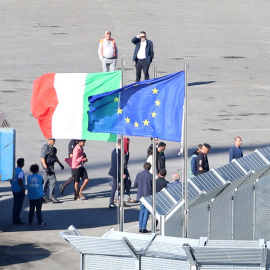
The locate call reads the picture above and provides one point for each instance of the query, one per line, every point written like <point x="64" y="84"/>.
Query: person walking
<point x="107" y="52"/>
<point x="143" y="55"/>
<point x="202" y="159"/>
<point x="48" y="158"/>
<point x="143" y="182"/>
<point x="193" y="162"/>
<point x="78" y="170"/>
<point x="236" y="152"/>
<point x="18" y="191"/>
<point x="35" y="194"/>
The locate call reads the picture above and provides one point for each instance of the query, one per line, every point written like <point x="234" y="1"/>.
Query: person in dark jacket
<point x="115" y="171"/>
<point x="160" y="157"/>
<point x="143" y="55"/>
<point x="161" y="182"/>
<point x="236" y="152"/>
<point x="143" y="182"/>
<point x="202" y="160"/>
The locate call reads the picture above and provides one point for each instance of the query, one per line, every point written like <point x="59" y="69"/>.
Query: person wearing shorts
<point x="78" y="170"/>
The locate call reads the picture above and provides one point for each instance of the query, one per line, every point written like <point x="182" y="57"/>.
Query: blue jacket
<point x="143" y="182"/>
<point x="149" y="50"/>
<point x="15" y="186"/>
<point x="235" y="152"/>
<point x="113" y="170"/>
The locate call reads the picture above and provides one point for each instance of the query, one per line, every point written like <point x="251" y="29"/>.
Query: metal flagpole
<point x="121" y="208"/>
<point x="154" y="165"/>
<point x="186" y="152"/>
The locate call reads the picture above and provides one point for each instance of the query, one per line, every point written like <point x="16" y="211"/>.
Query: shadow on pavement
<point x="21" y="254"/>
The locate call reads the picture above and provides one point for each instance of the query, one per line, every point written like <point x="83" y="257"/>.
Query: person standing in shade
<point x="35" y="194"/>
<point x="143" y="55"/>
<point x="236" y="152"/>
<point x="78" y="170"/>
<point x="161" y="182"/>
<point x="193" y="162"/>
<point x="202" y="160"/>
<point x="175" y="180"/>
<point x="48" y="158"/>
<point x="143" y="182"/>
<point x="18" y="191"/>
<point x="107" y="52"/>
<point x="160" y="157"/>
<point x="115" y="172"/>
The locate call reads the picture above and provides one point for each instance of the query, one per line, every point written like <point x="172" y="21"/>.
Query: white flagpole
<point x="121" y="208"/>
<point x="154" y="166"/>
<point x="186" y="153"/>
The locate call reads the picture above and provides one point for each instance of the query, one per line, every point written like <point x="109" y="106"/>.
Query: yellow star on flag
<point x="146" y="122"/>
<point x="127" y="120"/>
<point x="116" y="99"/>
<point x="154" y="114"/>
<point x="136" y="124"/>
<point x="157" y="102"/>
<point x="119" y="111"/>
<point x="155" y="91"/>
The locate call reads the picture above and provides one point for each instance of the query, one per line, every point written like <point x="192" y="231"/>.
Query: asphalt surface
<point x="227" y="47"/>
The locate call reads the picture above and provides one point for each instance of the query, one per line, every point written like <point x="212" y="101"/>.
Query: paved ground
<point x="227" y="46"/>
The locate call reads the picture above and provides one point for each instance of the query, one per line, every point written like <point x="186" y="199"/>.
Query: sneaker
<point x="131" y="200"/>
<point x="112" y="205"/>
<point x="41" y="224"/>
<point x="62" y="188"/>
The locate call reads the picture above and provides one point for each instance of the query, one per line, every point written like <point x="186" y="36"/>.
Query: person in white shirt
<point x="143" y="55"/>
<point x="107" y="52"/>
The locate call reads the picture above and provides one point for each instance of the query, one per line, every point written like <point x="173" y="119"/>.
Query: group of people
<point x="199" y="160"/>
<point x="143" y="54"/>
<point x="41" y="189"/>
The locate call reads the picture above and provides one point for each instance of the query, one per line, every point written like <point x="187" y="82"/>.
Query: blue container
<point x="7" y="153"/>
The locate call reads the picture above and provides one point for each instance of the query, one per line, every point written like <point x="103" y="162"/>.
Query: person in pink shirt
<point x="78" y="170"/>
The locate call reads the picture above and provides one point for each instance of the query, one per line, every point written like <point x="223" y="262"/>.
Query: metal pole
<point x="121" y="208"/>
<point x="154" y="166"/>
<point x="186" y="153"/>
<point x="154" y="186"/>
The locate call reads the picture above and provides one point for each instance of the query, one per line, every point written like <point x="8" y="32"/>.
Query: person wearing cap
<point x="175" y="180"/>
<point x="202" y="160"/>
<point x="193" y="162"/>
<point x="236" y="152"/>
<point x="48" y="157"/>
<point x="18" y="191"/>
<point x="143" y="55"/>
<point x="107" y="52"/>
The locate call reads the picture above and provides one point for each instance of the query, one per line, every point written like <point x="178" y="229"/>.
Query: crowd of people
<point x="42" y="188"/>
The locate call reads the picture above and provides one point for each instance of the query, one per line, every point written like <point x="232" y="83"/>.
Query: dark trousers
<point x="114" y="188"/>
<point x="17" y="205"/>
<point x="35" y="204"/>
<point x="142" y="65"/>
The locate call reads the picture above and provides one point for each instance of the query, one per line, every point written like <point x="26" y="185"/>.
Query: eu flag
<point x="151" y="108"/>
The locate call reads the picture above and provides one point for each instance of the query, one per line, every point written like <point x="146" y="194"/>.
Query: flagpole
<point x="154" y="166"/>
<point x="186" y="152"/>
<point x="121" y="208"/>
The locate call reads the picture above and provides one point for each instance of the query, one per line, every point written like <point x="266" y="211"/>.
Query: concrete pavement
<point x="227" y="46"/>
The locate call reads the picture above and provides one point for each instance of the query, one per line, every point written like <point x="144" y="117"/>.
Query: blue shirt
<point x="15" y="186"/>
<point x="173" y="184"/>
<point x="35" y="188"/>
<point x="235" y="152"/>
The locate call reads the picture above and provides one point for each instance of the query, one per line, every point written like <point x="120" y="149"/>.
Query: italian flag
<point x="60" y="103"/>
